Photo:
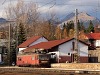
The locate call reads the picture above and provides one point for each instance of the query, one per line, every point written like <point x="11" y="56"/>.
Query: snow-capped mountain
<point x="82" y="17"/>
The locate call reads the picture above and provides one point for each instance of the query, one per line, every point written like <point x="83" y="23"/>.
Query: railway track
<point x="46" y="71"/>
<point x="31" y="70"/>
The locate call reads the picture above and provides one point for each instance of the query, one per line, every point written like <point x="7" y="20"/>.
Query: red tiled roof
<point x="49" y="44"/>
<point x="95" y="36"/>
<point x="29" y="41"/>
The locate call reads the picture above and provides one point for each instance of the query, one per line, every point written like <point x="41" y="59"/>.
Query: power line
<point x="60" y="4"/>
<point x="45" y="4"/>
<point x="64" y="4"/>
<point x="77" y="5"/>
<point x="47" y="9"/>
<point x="3" y="2"/>
<point x="52" y="5"/>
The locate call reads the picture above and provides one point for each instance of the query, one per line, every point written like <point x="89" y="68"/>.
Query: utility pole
<point x="9" y="45"/>
<point x="76" y="54"/>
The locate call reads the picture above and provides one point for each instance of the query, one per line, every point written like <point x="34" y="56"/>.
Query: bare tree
<point x="25" y="13"/>
<point x="28" y="14"/>
<point x="64" y="33"/>
<point x="71" y="33"/>
<point x="58" y="32"/>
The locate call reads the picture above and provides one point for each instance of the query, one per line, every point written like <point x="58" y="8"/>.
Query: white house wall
<point x="97" y="43"/>
<point x="42" y="39"/>
<point x="83" y="49"/>
<point x="21" y="49"/>
<point x="66" y="48"/>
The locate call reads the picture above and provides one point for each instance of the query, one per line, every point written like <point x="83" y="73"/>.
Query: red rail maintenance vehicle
<point x="34" y="60"/>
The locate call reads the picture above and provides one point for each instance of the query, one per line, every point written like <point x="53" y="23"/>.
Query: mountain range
<point x="82" y="17"/>
<point x="2" y="20"/>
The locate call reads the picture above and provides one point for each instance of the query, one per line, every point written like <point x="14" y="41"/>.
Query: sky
<point x="61" y="7"/>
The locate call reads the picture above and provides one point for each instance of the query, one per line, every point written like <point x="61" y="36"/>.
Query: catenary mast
<point x="76" y="50"/>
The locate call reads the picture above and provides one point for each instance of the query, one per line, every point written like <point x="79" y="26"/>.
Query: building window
<point x="19" y="59"/>
<point x="89" y="55"/>
<point x="33" y="58"/>
<point x="68" y="53"/>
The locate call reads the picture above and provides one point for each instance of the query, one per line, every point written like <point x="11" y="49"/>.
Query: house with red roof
<point x="32" y="41"/>
<point x="93" y="39"/>
<point x="63" y="49"/>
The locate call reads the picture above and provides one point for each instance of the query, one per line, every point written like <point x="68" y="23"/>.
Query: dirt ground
<point x="23" y="73"/>
<point x="35" y="71"/>
<point x="15" y="73"/>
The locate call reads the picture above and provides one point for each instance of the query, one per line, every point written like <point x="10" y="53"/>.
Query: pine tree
<point x="70" y="25"/>
<point x="21" y="34"/>
<point x="79" y="25"/>
<point x="82" y="26"/>
<point x="64" y="31"/>
<point x="91" y="27"/>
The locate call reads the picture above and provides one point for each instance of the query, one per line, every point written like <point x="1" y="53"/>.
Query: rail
<point x="47" y="70"/>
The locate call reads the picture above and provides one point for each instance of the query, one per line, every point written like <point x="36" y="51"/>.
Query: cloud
<point x="63" y="7"/>
<point x="84" y="2"/>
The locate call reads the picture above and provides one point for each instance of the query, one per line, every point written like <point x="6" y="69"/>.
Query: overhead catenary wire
<point x="60" y="4"/>
<point x="81" y="5"/>
<point x="46" y="4"/>
<point x="3" y="2"/>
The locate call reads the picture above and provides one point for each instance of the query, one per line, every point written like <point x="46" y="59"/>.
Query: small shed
<point x="32" y="41"/>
